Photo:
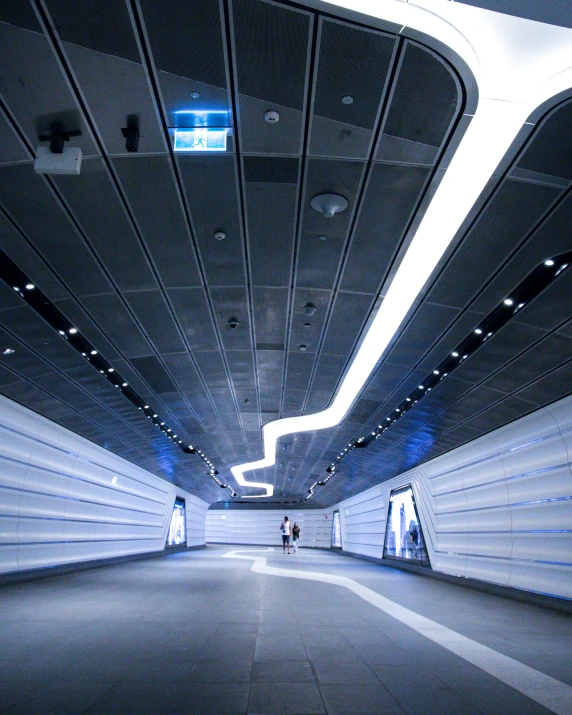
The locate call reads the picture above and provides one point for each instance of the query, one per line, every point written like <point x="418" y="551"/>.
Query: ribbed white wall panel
<point x="59" y="503"/>
<point x="262" y="527"/>
<point x="498" y="509"/>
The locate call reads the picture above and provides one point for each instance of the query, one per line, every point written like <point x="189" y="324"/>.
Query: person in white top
<point x="286" y="531"/>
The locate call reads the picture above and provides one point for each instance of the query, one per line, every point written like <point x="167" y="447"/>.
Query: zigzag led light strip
<point x="21" y="284"/>
<point x="514" y="77"/>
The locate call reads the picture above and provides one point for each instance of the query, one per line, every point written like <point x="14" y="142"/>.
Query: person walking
<point x="286" y="531"/>
<point x="295" y="536"/>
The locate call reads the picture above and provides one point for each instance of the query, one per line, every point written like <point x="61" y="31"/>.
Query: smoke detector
<point x="271" y="117"/>
<point x="329" y="204"/>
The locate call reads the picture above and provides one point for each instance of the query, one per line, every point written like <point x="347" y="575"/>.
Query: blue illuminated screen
<point x="200" y="139"/>
<point x="177" y="530"/>
<point x="403" y="535"/>
<point x="336" y="531"/>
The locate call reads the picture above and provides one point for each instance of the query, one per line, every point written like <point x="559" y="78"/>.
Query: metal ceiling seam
<point x="533" y="408"/>
<point x="475" y="386"/>
<point x="69" y="75"/>
<point x="381" y="115"/>
<point x="393" y="76"/>
<point x="227" y="26"/>
<point x="455" y="120"/>
<point x="61" y="200"/>
<point x="564" y="195"/>
<point x="381" y="110"/>
<point x="493" y="128"/>
<point x="143" y="42"/>
<point x="309" y="91"/>
<point x="30" y="381"/>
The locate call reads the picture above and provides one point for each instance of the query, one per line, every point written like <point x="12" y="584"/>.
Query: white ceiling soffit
<point x="518" y="64"/>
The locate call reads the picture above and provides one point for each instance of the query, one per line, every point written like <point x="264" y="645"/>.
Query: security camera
<point x="131" y="134"/>
<point x="233" y="323"/>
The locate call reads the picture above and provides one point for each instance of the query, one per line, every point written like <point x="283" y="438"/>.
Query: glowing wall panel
<point x="64" y="499"/>
<point x="498" y="509"/>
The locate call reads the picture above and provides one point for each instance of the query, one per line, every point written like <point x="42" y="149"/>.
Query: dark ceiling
<point x="126" y="251"/>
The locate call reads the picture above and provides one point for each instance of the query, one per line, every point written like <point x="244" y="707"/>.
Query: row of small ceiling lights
<point x="530" y="288"/>
<point x="40" y="303"/>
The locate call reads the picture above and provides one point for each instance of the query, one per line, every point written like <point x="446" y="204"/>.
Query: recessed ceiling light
<point x="30" y="286"/>
<point x="154" y="416"/>
<point x="110" y="369"/>
<point x="195" y="95"/>
<point x="62" y="332"/>
<point x="455" y="354"/>
<point x="93" y="352"/>
<point x="124" y="384"/>
<point x="8" y="351"/>
<point x="17" y="289"/>
<point x="421" y="387"/>
<point x="347" y="99"/>
<point x="146" y="407"/>
<point x="508" y="301"/>
<point x="549" y="262"/>
<point x="435" y="372"/>
<point x="72" y="331"/>
<point x="323" y="238"/>
<point x="478" y="331"/>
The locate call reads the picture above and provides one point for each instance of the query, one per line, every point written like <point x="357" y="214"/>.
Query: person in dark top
<point x="295" y="536"/>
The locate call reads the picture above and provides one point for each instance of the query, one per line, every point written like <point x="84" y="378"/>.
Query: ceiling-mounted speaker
<point x="329" y="204"/>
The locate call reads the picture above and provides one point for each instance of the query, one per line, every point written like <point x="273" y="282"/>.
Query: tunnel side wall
<point x="64" y="499"/>
<point x="498" y="509"/>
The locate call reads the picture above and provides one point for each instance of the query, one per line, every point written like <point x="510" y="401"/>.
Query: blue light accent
<point x="200" y="139"/>
<point x="214" y="119"/>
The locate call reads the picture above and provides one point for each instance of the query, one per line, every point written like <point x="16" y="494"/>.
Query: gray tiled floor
<point x="194" y="633"/>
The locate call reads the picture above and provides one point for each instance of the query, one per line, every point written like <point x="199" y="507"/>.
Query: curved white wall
<point x="59" y="503"/>
<point x="498" y="509"/>
<point x="262" y="526"/>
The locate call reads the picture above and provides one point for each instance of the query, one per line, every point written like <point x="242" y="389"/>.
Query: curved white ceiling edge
<point x="518" y="64"/>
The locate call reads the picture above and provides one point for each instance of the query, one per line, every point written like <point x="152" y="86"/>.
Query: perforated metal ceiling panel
<point x="127" y="250"/>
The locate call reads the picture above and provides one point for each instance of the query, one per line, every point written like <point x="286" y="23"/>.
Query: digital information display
<point x="336" y="531"/>
<point x="177" y="535"/>
<point x="403" y="534"/>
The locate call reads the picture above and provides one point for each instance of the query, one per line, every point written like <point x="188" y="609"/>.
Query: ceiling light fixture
<point x="329" y="204"/>
<point x="30" y="286"/>
<point x="506" y="76"/>
<point x="347" y="99"/>
<point x="8" y="351"/>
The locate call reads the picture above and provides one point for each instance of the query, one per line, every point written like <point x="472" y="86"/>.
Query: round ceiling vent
<point x="329" y="204"/>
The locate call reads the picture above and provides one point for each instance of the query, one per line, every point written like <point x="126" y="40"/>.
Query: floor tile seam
<point x="387" y="597"/>
<point x="458" y="644"/>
